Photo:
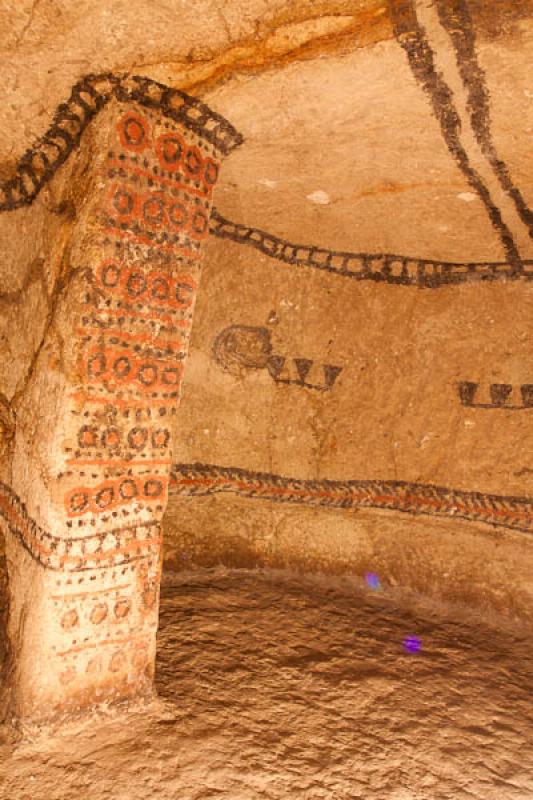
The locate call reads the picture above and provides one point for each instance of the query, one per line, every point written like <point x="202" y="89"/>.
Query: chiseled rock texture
<point x="274" y="686"/>
<point x="359" y="391"/>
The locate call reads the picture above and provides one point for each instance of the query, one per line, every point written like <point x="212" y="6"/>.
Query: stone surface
<point x="275" y="686"/>
<point x="363" y="323"/>
<point x="349" y="154"/>
<point x="449" y="563"/>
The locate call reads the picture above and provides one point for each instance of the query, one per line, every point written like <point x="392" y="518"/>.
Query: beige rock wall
<point x="349" y="154"/>
<point x="360" y="355"/>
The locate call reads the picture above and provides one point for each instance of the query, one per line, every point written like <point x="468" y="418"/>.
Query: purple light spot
<point x="372" y="581"/>
<point x="412" y="644"/>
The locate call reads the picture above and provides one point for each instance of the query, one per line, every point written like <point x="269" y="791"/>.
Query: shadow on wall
<point x="3" y="616"/>
<point x="7" y="430"/>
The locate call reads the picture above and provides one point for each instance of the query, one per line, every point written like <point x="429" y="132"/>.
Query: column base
<point x="89" y="637"/>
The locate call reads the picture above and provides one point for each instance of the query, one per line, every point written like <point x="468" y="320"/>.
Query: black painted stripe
<point x="421" y="57"/>
<point x="377" y="267"/>
<point x="456" y="19"/>
<point x="91" y="94"/>
<point x="516" y="513"/>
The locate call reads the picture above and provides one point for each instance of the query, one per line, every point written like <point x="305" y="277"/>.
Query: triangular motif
<point x="499" y="393"/>
<point x="274" y="365"/>
<point x="303" y="365"/>
<point x="331" y="374"/>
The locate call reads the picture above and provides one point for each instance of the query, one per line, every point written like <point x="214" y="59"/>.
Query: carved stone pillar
<point x="95" y="428"/>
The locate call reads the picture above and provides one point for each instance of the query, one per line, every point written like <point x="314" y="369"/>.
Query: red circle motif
<point x="170" y="148"/>
<point x="134" y="132"/>
<point x="210" y="171"/>
<point x="193" y="162"/>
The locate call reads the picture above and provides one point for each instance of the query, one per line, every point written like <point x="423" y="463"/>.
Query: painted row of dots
<point x="104" y="574"/>
<point x="98" y="613"/>
<point x="119" y="662"/>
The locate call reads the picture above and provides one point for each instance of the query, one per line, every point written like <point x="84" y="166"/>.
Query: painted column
<point x="95" y="428"/>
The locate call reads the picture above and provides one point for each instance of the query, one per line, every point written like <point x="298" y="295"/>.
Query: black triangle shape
<point x="331" y="374"/>
<point x="303" y="365"/>
<point x="499" y="393"/>
<point x="274" y="365"/>
<point x="467" y="392"/>
<point x="527" y="394"/>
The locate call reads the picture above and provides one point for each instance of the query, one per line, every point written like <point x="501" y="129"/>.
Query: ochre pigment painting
<point x="248" y="448"/>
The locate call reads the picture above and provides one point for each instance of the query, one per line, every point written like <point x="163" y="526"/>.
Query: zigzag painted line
<point x="379" y="267"/>
<point x="92" y="93"/>
<point x="516" y="513"/>
<point x="101" y="550"/>
<point x="95" y="551"/>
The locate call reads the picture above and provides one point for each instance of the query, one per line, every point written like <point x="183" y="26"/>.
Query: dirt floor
<point x="277" y="686"/>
